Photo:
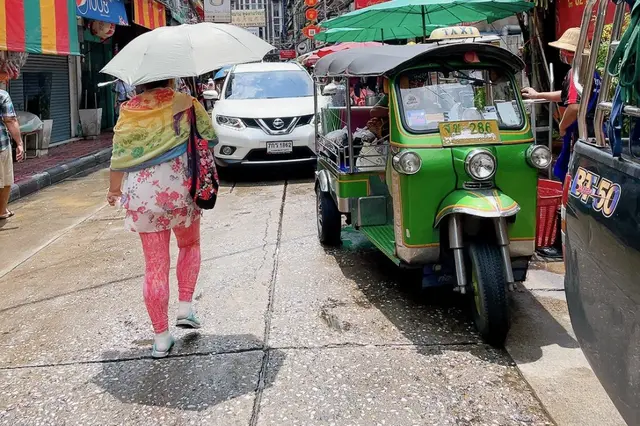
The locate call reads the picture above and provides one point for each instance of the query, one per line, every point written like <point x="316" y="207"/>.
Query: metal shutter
<point x="60" y="107"/>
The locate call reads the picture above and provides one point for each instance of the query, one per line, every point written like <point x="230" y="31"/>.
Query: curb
<point x="58" y="173"/>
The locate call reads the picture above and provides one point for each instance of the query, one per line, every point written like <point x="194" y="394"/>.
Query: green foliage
<point x="604" y="47"/>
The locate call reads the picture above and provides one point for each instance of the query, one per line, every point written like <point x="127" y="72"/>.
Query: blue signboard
<point x="111" y="11"/>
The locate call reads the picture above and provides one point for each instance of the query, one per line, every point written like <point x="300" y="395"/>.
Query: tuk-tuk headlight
<point x="406" y="162"/>
<point x="538" y="156"/>
<point x="480" y="164"/>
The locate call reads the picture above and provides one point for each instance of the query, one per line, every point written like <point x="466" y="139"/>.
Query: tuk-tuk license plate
<point x="474" y="132"/>
<point x="281" y="147"/>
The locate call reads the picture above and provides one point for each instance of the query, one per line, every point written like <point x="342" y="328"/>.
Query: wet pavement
<point x="294" y="333"/>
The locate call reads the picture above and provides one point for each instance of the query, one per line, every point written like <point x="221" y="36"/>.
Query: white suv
<point x="264" y="115"/>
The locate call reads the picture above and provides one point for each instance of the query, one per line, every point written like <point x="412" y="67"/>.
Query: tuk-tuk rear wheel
<point x="329" y="219"/>
<point x="489" y="300"/>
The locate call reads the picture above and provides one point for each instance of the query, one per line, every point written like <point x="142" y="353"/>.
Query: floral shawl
<point x="154" y="123"/>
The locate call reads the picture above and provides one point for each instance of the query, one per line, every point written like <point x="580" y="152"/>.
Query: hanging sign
<point x="361" y="4"/>
<point x="311" y="14"/>
<point x="218" y="11"/>
<point x="310" y="30"/>
<point x="248" y="18"/>
<point x="149" y="14"/>
<point x="287" y="54"/>
<point x="111" y="11"/>
<point x="569" y="15"/>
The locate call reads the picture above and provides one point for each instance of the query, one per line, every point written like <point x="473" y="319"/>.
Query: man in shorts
<point x="9" y="128"/>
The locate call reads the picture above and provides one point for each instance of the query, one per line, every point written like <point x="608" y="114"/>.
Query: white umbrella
<point x="185" y="51"/>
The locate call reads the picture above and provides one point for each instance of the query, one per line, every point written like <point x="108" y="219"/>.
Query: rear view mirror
<point x="330" y="89"/>
<point x="211" y="95"/>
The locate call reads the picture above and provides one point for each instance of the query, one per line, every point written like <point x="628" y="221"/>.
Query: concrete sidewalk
<point x="62" y="162"/>
<point x="544" y="347"/>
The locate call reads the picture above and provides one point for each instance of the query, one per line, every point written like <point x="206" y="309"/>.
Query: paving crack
<point x="174" y="356"/>
<point x="268" y="315"/>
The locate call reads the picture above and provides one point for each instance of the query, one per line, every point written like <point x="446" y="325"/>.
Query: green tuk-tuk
<point x="448" y="182"/>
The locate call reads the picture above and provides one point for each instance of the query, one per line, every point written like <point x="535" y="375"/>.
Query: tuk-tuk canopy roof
<point x="389" y="60"/>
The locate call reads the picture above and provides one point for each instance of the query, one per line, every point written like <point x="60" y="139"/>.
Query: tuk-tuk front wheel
<point x="328" y="218"/>
<point x="489" y="302"/>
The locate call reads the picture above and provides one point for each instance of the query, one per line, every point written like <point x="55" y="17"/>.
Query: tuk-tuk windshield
<point x="430" y="97"/>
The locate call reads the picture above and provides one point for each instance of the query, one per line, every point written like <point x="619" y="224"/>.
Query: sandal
<point x="155" y="353"/>
<point x="190" y="321"/>
<point x="7" y="215"/>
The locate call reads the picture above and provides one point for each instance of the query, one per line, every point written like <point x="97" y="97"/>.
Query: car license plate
<point x="282" y="147"/>
<point x="478" y="132"/>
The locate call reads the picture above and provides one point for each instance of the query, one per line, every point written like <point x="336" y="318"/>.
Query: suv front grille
<point x="288" y="123"/>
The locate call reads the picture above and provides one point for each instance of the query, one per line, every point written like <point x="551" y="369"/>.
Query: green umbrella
<point x="421" y="14"/>
<point x="339" y="35"/>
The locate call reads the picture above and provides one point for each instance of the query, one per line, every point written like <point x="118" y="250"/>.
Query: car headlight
<point x="539" y="156"/>
<point x="480" y="164"/>
<point x="406" y="162"/>
<point x="232" y="122"/>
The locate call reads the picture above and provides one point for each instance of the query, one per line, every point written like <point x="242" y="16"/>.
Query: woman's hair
<point x="156" y="84"/>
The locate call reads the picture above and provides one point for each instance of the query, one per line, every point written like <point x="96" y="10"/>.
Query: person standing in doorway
<point x="9" y="128"/>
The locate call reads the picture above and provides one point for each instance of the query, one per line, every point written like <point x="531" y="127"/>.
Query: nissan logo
<point x="278" y="124"/>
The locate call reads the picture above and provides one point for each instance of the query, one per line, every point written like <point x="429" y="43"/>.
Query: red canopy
<point x="317" y="54"/>
<point x="344" y="46"/>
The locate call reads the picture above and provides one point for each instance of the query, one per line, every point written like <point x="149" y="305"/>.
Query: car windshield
<point x="269" y="85"/>
<point x="430" y="97"/>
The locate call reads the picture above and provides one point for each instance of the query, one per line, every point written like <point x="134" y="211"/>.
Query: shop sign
<point x="248" y="18"/>
<point x="111" y="11"/>
<point x="218" y="11"/>
<point x="569" y="15"/>
<point x="287" y="54"/>
<point x="361" y="4"/>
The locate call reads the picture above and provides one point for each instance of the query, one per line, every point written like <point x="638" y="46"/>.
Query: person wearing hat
<point x="570" y="99"/>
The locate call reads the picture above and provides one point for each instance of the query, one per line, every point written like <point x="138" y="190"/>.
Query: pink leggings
<point x="156" y="276"/>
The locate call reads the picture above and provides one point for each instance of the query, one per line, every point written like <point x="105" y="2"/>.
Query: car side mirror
<point x="211" y="95"/>
<point x="330" y="89"/>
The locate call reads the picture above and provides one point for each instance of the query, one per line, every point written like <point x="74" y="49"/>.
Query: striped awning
<point x="39" y="26"/>
<point x="149" y="14"/>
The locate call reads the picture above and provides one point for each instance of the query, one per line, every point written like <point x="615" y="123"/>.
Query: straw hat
<point x="568" y="41"/>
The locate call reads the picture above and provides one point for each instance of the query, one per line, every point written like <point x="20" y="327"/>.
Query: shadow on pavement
<point x="189" y="382"/>
<point x="433" y="316"/>
<point x="426" y="317"/>
<point x="534" y="327"/>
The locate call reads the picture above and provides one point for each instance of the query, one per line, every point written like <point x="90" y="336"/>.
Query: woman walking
<point x="149" y="173"/>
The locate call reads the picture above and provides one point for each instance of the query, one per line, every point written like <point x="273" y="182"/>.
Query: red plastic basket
<point x="549" y="201"/>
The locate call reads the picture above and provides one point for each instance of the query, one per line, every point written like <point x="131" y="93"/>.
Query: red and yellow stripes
<point x="149" y="14"/>
<point x="39" y="26"/>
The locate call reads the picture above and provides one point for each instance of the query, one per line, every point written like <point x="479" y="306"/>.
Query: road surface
<point x="294" y="334"/>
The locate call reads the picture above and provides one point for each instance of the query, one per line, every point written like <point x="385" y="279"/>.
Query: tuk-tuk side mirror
<point x="211" y="95"/>
<point x="330" y="89"/>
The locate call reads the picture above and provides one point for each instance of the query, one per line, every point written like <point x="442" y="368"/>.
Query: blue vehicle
<point x="601" y="215"/>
